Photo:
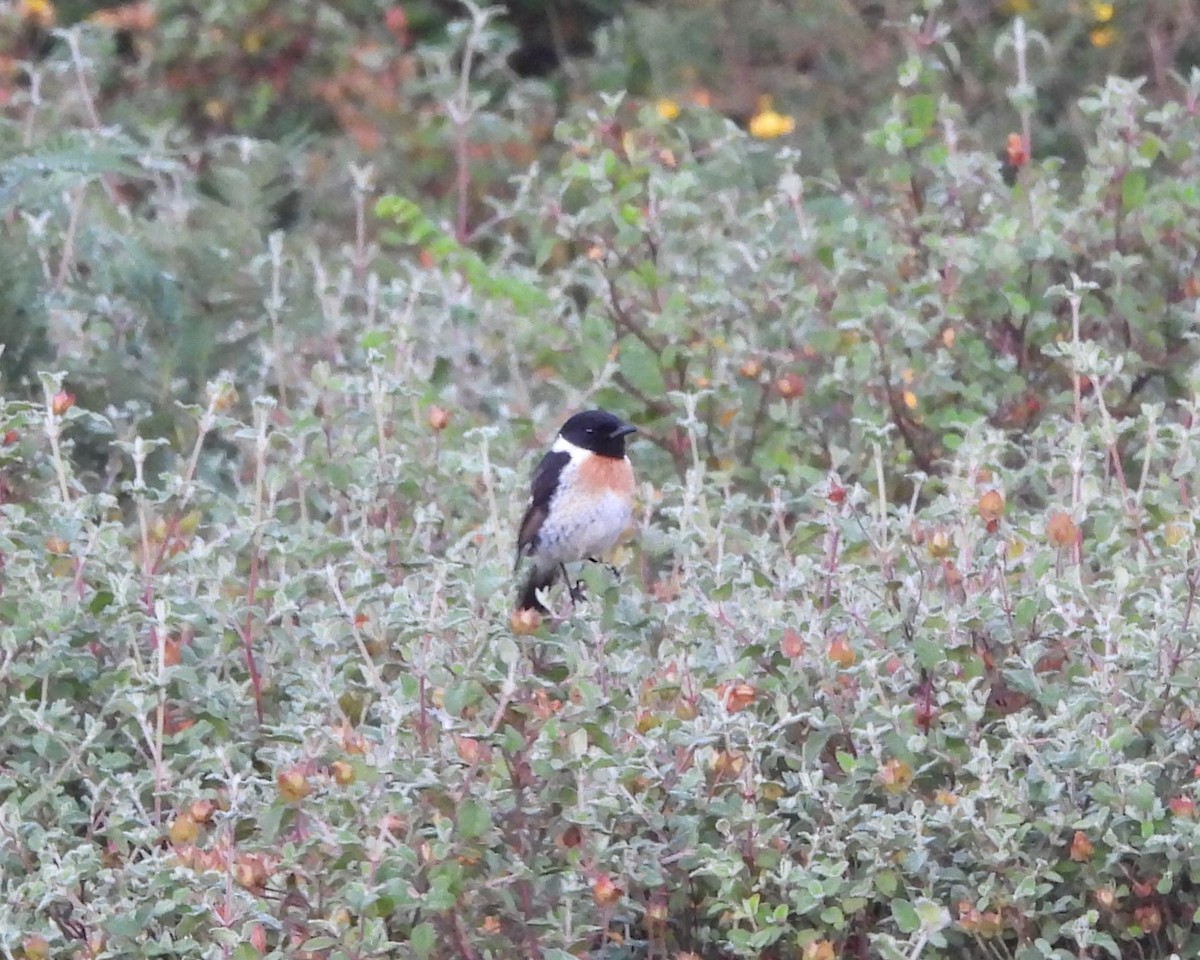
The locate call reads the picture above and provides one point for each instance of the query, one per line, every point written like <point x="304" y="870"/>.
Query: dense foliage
<point x="901" y="660"/>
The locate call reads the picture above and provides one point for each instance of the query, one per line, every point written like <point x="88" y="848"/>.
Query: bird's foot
<point x="577" y="591"/>
<point x="608" y="566"/>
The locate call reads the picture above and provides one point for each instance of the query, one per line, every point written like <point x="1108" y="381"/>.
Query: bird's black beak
<point x="623" y="430"/>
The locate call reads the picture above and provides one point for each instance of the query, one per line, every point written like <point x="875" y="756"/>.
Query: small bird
<point x="581" y="501"/>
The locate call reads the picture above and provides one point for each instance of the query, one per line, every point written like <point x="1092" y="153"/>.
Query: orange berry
<point x="57" y="546"/>
<point x="728" y="764"/>
<point x="396" y="21"/>
<point x="604" y="891"/>
<point x="571" y="837"/>
<point x="293" y="784"/>
<point x="1061" y="530"/>
<point x="790" y="385"/>
<point x="171" y="652"/>
<point x="819" y="950"/>
<point x="202" y="810"/>
<point x="61" y="402"/>
<point x="1017" y="150"/>
<point x="469" y="749"/>
<point x="1081" y="847"/>
<point x="183" y="830"/>
<point x="439" y="418"/>
<point x="736" y="697"/>
<point x="222" y="396"/>
<point x="792" y="644"/>
<point x="896" y="776"/>
<point x="939" y="544"/>
<point x="750" y="369"/>
<point x="251" y="871"/>
<point x="840" y="651"/>
<point x="991" y="505"/>
<point x="342" y="773"/>
<point x="35" y="947"/>
<point x="491" y="924"/>
<point x="525" y="622"/>
<point x="1149" y="918"/>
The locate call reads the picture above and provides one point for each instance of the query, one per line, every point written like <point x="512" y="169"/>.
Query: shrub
<point x="899" y="663"/>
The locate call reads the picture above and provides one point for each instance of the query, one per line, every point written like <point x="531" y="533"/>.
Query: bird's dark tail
<point x="539" y="578"/>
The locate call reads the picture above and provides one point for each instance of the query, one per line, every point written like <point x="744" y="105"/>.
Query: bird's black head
<point x="598" y="431"/>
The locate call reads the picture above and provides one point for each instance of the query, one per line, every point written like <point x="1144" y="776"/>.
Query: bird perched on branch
<point x="581" y="501"/>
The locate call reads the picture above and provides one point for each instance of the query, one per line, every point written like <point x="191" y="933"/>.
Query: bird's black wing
<point x="545" y="482"/>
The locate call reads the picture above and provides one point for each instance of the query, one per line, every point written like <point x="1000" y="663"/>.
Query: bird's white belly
<point x="580" y="527"/>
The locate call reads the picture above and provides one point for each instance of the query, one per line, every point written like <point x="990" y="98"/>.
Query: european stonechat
<point x="581" y="501"/>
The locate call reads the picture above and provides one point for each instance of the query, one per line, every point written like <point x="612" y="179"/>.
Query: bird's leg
<point x="609" y="566"/>
<point x="574" y="589"/>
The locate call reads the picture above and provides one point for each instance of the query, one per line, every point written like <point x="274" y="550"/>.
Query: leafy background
<point x="901" y="660"/>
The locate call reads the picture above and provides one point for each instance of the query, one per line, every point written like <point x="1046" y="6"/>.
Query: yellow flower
<point x="767" y="123"/>
<point x="1103" y="36"/>
<point x="910" y="400"/>
<point x="1102" y="12"/>
<point x="40" y="12"/>
<point x="252" y="42"/>
<point x="667" y="108"/>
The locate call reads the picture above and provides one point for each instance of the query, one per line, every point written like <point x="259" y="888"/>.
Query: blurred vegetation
<point x="903" y="298"/>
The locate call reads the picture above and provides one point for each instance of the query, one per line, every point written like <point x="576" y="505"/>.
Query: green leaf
<point x="1133" y="190"/>
<point x="423" y="939"/>
<point x="833" y="917"/>
<point x="922" y="111"/>
<point x="929" y="652"/>
<point x="474" y="819"/>
<point x="1141" y="796"/>
<point x="639" y="364"/>
<point x="441" y="373"/>
<point x="374" y="339"/>
<point x="887" y="882"/>
<point x="1150" y="148"/>
<point x="905" y="916"/>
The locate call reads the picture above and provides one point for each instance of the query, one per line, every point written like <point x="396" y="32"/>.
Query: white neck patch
<point x="563" y="445"/>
